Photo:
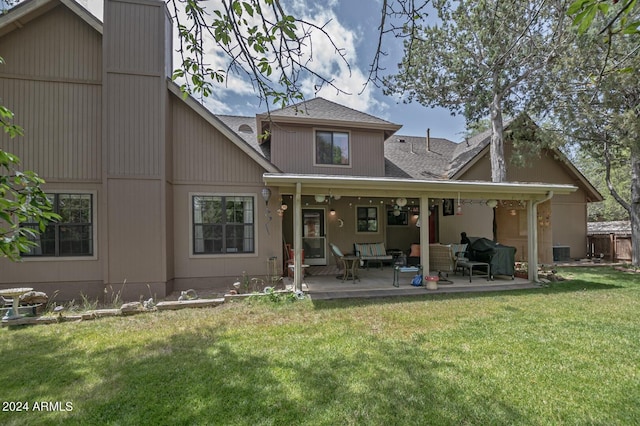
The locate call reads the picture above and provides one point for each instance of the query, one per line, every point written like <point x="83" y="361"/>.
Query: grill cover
<point x="501" y="258"/>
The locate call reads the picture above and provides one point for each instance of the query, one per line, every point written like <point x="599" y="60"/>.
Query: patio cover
<point x="310" y="184"/>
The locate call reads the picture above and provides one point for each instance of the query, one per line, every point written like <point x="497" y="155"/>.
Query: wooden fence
<point x="616" y="248"/>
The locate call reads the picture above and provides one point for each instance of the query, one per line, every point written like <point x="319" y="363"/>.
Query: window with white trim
<point x="223" y="224"/>
<point x="72" y="235"/>
<point x="332" y="148"/>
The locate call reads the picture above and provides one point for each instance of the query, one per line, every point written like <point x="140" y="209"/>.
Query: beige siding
<point x="568" y="225"/>
<point x="206" y="162"/>
<point x="136" y="143"/>
<point x="62" y="128"/>
<point x="136" y="135"/>
<point x="292" y="151"/>
<point x="55" y="94"/>
<point x="203" y="154"/>
<point x="135" y="231"/>
<point x="223" y="270"/>
<point x="62" y="277"/>
<point x="544" y="169"/>
<point x="126" y="21"/>
<point x="569" y="220"/>
<point x="476" y="220"/>
<point x="55" y="46"/>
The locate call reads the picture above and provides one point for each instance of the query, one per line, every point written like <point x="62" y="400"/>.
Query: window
<point x="367" y="219"/>
<point x="72" y="235"/>
<point x="332" y="148"/>
<point x="223" y="224"/>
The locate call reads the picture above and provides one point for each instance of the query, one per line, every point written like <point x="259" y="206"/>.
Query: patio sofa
<point x="372" y="252"/>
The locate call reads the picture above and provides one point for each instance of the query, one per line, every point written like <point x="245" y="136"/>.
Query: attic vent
<point x="245" y="128"/>
<point x="401" y="140"/>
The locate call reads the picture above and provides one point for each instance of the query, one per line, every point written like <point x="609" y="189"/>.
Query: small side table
<point x="397" y="270"/>
<point x="351" y="265"/>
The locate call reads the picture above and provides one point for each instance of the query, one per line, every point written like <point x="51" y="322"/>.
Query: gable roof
<point x="472" y="150"/>
<point x="328" y="113"/>
<point x="408" y="156"/>
<point x="449" y="160"/>
<point x="24" y="12"/>
<point x="245" y="128"/>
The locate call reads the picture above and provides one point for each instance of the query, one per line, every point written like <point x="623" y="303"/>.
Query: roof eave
<point x="345" y="185"/>
<point x="388" y="127"/>
<point x="34" y="8"/>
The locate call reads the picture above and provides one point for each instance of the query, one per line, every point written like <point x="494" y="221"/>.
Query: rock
<point x="132" y="308"/>
<point x="98" y="313"/>
<point x="34" y="297"/>
<point x="181" y="304"/>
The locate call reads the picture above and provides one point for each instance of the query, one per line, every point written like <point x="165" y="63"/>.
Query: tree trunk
<point x="634" y="206"/>
<point x="498" y="167"/>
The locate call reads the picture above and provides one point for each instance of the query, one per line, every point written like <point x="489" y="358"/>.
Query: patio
<point x="321" y="283"/>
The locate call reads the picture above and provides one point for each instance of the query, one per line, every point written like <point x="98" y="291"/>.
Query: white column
<point x="297" y="238"/>
<point x="532" y="240"/>
<point x="424" y="234"/>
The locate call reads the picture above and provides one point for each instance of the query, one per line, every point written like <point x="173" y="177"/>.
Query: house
<point x="157" y="194"/>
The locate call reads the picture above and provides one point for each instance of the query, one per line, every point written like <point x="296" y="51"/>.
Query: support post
<point x="297" y="238"/>
<point x="424" y="234"/>
<point x="532" y="240"/>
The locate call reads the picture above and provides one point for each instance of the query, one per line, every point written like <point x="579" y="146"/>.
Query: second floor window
<point x="332" y="148"/>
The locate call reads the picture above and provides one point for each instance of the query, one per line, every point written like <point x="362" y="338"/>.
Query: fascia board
<point x="307" y="121"/>
<point x="414" y="187"/>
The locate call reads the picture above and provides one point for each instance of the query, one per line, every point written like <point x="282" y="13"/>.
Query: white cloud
<point x="321" y="56"/>
<point x="231" y="96"/>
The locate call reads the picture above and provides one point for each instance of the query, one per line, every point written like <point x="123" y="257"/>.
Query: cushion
<point x="378" y="249"/>
<point x="359" y="249"/>
<point x="459" y="248"/>
<point x="415" y="250"/>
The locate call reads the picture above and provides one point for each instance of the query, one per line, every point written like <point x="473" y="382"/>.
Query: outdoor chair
<point x="460" y="254"/>
<point x="348" y="266"/>
<point x="338" y="256"/>
<point x="443" y="260"/>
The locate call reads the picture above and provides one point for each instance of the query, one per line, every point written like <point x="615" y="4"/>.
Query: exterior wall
<point x="64" y="278"/>
<point x="476" y="220"/>
<point x="135" y="105"/>
<point x="341" y="228"/>
<point x="568" y="224"/>
<point x="292" y="151"/>
<point x="512" y="231"/>
<point x="55" y="95"/>
<point x="206" y="162"/>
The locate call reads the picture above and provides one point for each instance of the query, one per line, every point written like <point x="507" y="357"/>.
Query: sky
<point x="353" y="25"/>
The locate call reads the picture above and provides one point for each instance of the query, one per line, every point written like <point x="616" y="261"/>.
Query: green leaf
<point x="585" y="19"/>
<point x="577" y="6"/>
<point x="248" y="8"/>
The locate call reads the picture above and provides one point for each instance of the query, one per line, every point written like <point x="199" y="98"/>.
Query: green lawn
<point x="567" y="354"/>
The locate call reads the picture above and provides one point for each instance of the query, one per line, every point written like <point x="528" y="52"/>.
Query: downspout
<point x="532" y="225"/>
<point x="297" y="238"/>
